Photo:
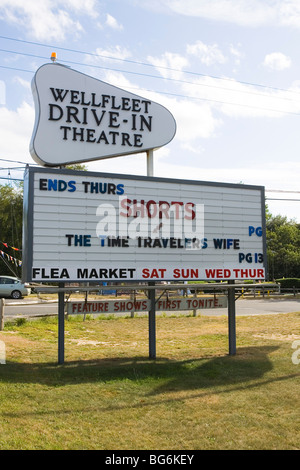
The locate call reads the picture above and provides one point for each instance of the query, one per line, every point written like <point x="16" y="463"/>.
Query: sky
<point x="228" y="71"/>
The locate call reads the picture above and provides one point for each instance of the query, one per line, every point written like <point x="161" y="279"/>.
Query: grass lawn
<point x="109" y="395"/>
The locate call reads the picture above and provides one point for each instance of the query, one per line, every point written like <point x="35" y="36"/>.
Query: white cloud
<point x="196" y="117"/>
<point x="113" y="23"/>
<point x="118" y="79"/>
<point x="243" y="12"/>
<point x="197" y="148"/>
<point x="290" y="13"/>
<point x="277" y="61"/>
<point x="169" y="65"/>
<point x="276" y="175"/>
<point x="236" y="53"/>
<point x="24" y="83"/>
<point x="251" y="13"/>
<point x="117" y="52"/>
<point x="208" y="54"/>
<point x="16" y="126"/>
<point x="195" y="120"/>
<point x="2" y="92"/>
<point x="107" y="55"/>
<point x="235" y="99"/>
<point x="86" y="7"/>
<point x="47" y="19"/>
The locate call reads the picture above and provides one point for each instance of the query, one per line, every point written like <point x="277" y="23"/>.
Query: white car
<point x="13" y="287"/>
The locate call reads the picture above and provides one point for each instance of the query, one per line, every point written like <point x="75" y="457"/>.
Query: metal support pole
<point x="150" y="170"/>
<point x="151" y="314"/>
<point x="195" y="310"/>
<point x="231" y="320"/>
<point x="152" y="325"/>
<point x="61" y="325"/>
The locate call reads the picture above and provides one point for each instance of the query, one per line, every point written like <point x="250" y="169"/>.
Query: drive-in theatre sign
<point x="79" y="118"/>
<point x="83" y="226"/>
<point x="94" y="227"/>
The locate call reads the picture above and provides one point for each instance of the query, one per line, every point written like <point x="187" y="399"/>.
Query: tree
<point x="283" y="235"/>
<point x="11" y="224"/>
<point x="283" y="247"/>
<point x="77" y="166"/>
<point x="11" y="220"/>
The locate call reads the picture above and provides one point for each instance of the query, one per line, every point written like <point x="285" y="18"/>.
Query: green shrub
<point x="289" y="282"/>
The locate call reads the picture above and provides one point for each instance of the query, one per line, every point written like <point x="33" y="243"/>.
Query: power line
<point x="280" y="191"/>
<point x="146" y="64"/>
<point x="36" y="164"/>
<point x="267" y="190"/>
<point x="178" y="95"/>
<point x="279" y="199"/>
<point x="15" y="68"/>
<point x="171" y="79"/>
<point x="10" y="178"/>
<point x="16" y="161"/>
<point x="15" y="168"/>
<point x="207" y="85"/>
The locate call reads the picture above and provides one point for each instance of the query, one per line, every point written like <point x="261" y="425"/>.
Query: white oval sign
<point x="79" y="118"/>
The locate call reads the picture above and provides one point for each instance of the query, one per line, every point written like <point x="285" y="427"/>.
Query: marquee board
<point x="143" y="305"/>
<point x="87" y="227"/>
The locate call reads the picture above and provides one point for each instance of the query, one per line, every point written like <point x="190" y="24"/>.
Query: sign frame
<point x="28" y="215"/>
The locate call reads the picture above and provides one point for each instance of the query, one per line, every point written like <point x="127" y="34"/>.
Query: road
<point x="243" y="307"/>
<point x="28" y="308"/>
<point x="260" y="307"/>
